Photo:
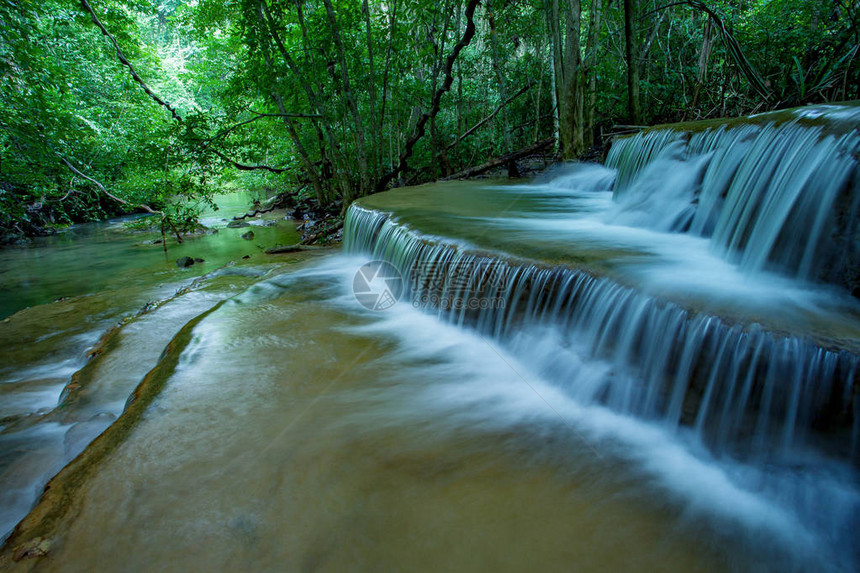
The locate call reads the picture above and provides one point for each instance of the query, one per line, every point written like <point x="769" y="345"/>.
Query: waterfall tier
<point x="703" y="282"/>
<point x="745" y="390"/>
<point x="777" y="191"/>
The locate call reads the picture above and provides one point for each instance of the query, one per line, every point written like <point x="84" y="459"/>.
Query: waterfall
<point x="704" y="315"/>
<point x="740" y="387"/>
<point x="777" y="191"/>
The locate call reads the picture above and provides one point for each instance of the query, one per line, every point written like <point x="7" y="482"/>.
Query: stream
<point x="552" y="375"/>
<point x="65" y="293"/>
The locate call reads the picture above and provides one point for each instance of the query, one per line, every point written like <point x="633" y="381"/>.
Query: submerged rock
<point x="249" y="236"/>
<point x="38" y="547"/>
<point x="183" y="262"/>
<point x="237" y="224"/>
<point x="285" y="249"/>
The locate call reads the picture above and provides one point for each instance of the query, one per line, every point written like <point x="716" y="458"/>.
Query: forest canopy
<point x="109" y="107"/>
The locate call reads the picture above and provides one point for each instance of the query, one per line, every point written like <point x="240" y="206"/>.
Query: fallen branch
<point x="286" y="249"/>
<point x="323" y="232"/>
<point x="503" y="160"/>
<point x="254" y="213"/>
<point x="277" y="202"/>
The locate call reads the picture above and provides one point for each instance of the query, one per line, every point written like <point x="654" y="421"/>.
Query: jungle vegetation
<point x="113" y="106"/>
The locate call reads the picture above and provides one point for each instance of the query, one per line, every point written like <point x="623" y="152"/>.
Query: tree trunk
<point x="704" y="56"/>
<point x="591" y="49"/>
<point x="553" y="18"/>
<point x="570" y="104"/>
<point x="375" y="124"/>
<point x="310" y="169"/>
<point x="631" y="18"/>
<point x="364" y="175"/>
<point x="313" y="98"/>
<point x="500" y="80"/>
<point x="391" y="31"/>
<point x="419" y="130"/>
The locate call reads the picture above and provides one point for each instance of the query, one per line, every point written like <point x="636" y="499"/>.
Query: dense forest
<point x="111" y="107"/>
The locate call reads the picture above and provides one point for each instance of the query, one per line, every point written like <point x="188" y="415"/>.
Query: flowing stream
<point x="68" y="293"/>
<point x="649" y="365"/>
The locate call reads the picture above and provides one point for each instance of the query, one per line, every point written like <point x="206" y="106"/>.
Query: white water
<point x="711" y="354"/>
<point x="541" y="386"/>
<point x="778" y="196"/>
<point x="658" y="261"/>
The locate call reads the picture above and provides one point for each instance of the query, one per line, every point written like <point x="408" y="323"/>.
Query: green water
<point x="293" y="430"/>
<point x="63" y="293"/>
<point x="95" y="257"/>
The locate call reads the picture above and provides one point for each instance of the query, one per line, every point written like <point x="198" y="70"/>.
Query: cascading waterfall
<point x="777" y="196"/>
<point x="775" y="399"/>
<point x="667" y="363"/>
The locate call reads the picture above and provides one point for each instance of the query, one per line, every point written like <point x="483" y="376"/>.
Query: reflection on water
<point x="89" y="258"/>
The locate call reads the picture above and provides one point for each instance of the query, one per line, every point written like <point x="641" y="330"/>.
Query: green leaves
<point x="66" y="94"/>
<point x="220" y="63"/>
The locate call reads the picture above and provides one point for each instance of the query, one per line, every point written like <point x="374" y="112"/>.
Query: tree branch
<point x="143" y="206"/>
<point x="732" y="46"/>
<point x="243" y="167"/>
<point x="419" y="130"/>
<point x="481" y="123"/>
<point x="127" y="64"/>
<point x="506" y="159"/>
<point x="259" y="116"/>
<point x="102" y="188"/>
<point x="173" y="111"/>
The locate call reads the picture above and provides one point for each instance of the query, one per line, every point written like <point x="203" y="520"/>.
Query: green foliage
<point x="231" y="67"/>
<point x="805" y="51"/>
<point x="65" y="95"/>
